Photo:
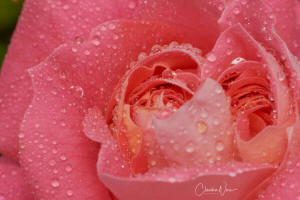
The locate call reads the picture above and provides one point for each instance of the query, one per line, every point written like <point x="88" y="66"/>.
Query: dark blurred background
<point x="9" y="12"/>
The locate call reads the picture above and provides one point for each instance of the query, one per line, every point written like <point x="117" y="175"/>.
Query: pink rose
<point x="151" y="99"/>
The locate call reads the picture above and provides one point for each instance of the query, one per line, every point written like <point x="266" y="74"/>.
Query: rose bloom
<point x="152" y="100"/>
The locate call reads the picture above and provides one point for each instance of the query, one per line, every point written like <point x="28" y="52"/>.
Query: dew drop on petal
<point x="68" y="168"/>
<point x="55" y="183"/>
<point x="237" y="60"/>
<point x="211" y="57"/>
<point x="131" y="5"/>
<point x="69" y="193"/>
<point x="220" y="146"/>
<point x="172" y="180"/>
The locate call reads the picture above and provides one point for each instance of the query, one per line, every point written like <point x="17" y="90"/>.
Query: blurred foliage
<point x="9" y="12"/>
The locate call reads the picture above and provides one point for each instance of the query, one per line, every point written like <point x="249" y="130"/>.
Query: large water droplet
<point x="237" y="60"/>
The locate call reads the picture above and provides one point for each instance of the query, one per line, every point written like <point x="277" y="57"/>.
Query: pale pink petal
<point x="200" y="131"/>
<point x="57" y="157"/>
<point x="45" y="24"/>
<point x="12" y="184"/>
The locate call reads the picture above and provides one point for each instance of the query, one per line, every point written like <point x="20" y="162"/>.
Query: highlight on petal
<point x="57" y="157"/>
<point x="12" y="183"/>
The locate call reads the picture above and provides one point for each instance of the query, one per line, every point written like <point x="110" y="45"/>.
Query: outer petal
<point x="46" y="24"/>
<point x="177" y="184"/>
<point x="261" y="17"/>
<point x="285" y="185"/>
<point x="57" y="157"/>
<point x="12" y="185"/>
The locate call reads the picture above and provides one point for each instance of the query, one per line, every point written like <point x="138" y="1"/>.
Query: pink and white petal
<point x="44" y="25"/>
<point x="12" y="183"/>
<point x="239" y="178"/>
<point x="57" y="157"/>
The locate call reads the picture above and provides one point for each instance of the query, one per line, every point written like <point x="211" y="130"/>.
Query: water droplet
<point x="111" y="26"/>
<point x="237" y="60"/>
<point x="52" y="163"/>
<point x="55" y="183"/>
<point x="203" y="115"/>
<point x="232" y="174"/>
<point x="87" y="52"/>
<point x="172" y="180"/>
<point x="236" y="11"/>
<point x="68" y="168"/>
<point x="142" y="56"/>
<point x="211" y="57"/>
<point x="153" y="162"/>
<point x="216" y="122"/>
<point x="21" y="135"/>
<point x="218" y="90"/>
<point x="228" y="52"/>
<point x="66" y="7"/>
<point x="63" y="157"/>
<point x="202" y="127"/>
<point x="69" y="193"/>
<point x="74" y="49"/>
<point x="96" y="42"/>
<point x="131" y="5"/>
<point x="190" y="149"/>
<point x="220" y="146"/>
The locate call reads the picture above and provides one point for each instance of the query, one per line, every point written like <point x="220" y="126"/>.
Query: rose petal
<point x="262" y="29"/>
<point x="180" y="183"/>
<point x="200" y="131"/>
<point x="12" y="185"/>
<point x="42" y="26"/>
<point x="286" y="184"/>
<point x="261" y="17"/>
<point x="54" y="152"/>
<point x="94" y="126"/>
<point x="45" y="24"/>
<point x="297" y="4"/>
